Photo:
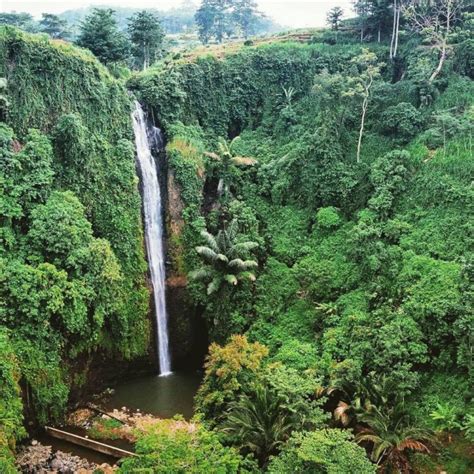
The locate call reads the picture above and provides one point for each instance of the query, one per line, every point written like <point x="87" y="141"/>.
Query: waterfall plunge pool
<point x="162" y="396"/>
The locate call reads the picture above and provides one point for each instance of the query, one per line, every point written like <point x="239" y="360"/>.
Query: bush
<point x="174" y="446"/>
<point x="330" y="451"/>
<point x="402" y="121"/>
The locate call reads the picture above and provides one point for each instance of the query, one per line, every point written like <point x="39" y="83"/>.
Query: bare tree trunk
<point x="378" y="34"/>
<point x="440" y="64"/>
<point x="444" y="45"/>
<point x="392" y="40"/>
<point x="397" y="30"/>
<point x="365" y="104"/>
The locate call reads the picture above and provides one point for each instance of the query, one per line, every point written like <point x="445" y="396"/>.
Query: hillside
<point x="318" y="203"/>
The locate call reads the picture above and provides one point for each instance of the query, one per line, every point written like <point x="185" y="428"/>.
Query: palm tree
<point x="227" y="158"/>
<point x="259" y="423"/>
<point x="355" y="399"/>
<point x="224" y="259"/>
<point x="392" y="437"/>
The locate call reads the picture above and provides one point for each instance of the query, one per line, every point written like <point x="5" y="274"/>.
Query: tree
<point x="435" y="22"/>
<point x="396" y="8"/>
<point x="54" y="26"/>
<point x="379" y="16"/>
<point x="176" y="446"/>
<point x="212" y="18"/>
<point x="392" y="436"/>
<point x="259" y="423"/>
<point x="146" y="36"/>
<point x="361" y="84"/>
<point x="99" y="33"/>
<point x="322" y="451"/>
<point x="226" y="159"/>
<point x="362" y="9"/>
<point x="24" y="21"/>
<point x="228" y="371"/>
<point x="245" y="15"/>
<point x="223" y="259"/>
<point x="334" y="17"/>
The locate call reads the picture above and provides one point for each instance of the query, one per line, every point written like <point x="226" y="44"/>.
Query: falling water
<point x="152" y="210"/>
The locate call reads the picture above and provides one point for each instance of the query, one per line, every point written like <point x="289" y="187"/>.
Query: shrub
<point x="402" y="121"/>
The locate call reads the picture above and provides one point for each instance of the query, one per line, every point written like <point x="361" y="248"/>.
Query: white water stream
<point x="152" y="210"/>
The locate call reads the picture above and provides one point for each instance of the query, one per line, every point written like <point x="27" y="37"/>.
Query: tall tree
<point x="334" y="18"/>
<point x="146" y="35"/>
<point x="54" y="26"/>
<point x="396" y="8"/>
<point x="361" y="85"/>
<point x="245" y="15"/>
<point x="100" y="34"/>
<point x="23" y="21"/>
<point x="213" y="19"/>
<point x="362" y="9"/>
<point x="379" y="16"/>
<point x="435" y="21"/>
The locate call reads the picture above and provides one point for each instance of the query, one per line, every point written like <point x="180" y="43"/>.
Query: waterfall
<point x="152" y="210"/>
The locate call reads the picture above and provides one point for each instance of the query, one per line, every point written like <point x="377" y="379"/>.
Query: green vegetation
<point x="323" y="200"/>
<point x="72" y="269"/>
<point x="179" y="447"/>
<point x="359" y="197"/>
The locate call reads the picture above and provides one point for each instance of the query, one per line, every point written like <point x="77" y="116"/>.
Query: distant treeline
<point x="174" y="21"/>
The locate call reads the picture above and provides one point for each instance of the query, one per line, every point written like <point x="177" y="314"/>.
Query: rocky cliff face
<point x="188" y="334"/>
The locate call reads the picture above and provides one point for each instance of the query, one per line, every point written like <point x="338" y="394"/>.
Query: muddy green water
<point x="161" y="396"/>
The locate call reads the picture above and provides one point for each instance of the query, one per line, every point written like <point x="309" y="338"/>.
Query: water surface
<point x="164" y="396"/>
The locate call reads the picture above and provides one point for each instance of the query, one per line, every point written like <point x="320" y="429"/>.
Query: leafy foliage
<point x="330" y="450"/>
<point x="180" y="447"/>
<point x="224" y="256"/>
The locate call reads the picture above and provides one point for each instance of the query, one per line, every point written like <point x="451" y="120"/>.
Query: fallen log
<point x="88" y="443"/>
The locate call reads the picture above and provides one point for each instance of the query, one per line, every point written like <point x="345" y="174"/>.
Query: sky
<point x="294" y="13"/>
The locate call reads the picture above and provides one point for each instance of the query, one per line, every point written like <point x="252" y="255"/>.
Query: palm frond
<point x="210" y="240"/>
<point x="207" y="254"/>
<point x="242" y="265"/>
<point x="247" y="276"/>
<point x="231" y="279"/>
<point x="200" y="274"/>
<point x="243" y="161"/>
<point x="341" y="413"/>
<point x="222" y="258"/>
<point x="414" y="445"/>
<point x="244" y="247"/>
<point x="234" y="141"/>
<point x="212" y="155"/>
<point x="214" y="286"/>
<point x="233" y="230"/>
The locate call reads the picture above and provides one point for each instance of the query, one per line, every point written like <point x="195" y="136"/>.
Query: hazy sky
<point x="293" y="13"/>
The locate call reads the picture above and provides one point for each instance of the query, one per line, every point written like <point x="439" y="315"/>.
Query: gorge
<point x="294" y="296"/>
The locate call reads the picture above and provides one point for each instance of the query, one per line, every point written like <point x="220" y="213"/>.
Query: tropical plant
<point x="356" y="399"/>
<point x="331" y="451"/>
<point x="392" y="436"/>
<point x="468" y="427"/>
<point x="258" y="422"/>
<point x="446" y="418"/>
<point x="224" y="259"/>
<point x="227" y="159"/>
